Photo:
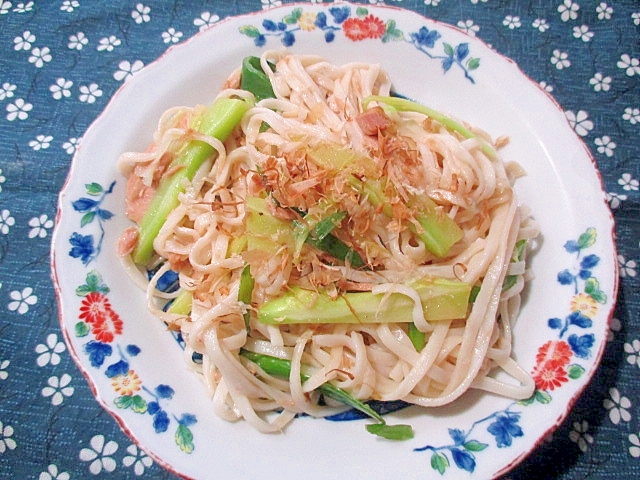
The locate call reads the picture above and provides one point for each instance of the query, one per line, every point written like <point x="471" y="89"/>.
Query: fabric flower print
<point x="580" y="435"/>
<point x="49" y="352"/>
<point x="546" y="87"/>
<point x="6" y="221"/>
<point x="512" y="22"/>
<point x="615" y="199"/>
<point x="631" y="66"/>
<point x="627" y="267"/>
<point x="540" y="24"/>
<point x="605" y="145"/>
<point x="631" y="115"/>
<point x="137" y="459"/>
<point x="99" y="454"/>
<point x="40" y="56"/>
<point x="58" y="388"/>
<point x="618" y="406"/>
<point x="560" y="59"/>
<point x="127" y="69"/>
<point x="7" y="90"/>
<point x="108" y="44"/>
<point x="604" y="11"/>
<point x="18" y="110"/>
<point x="171" y="36"/>
<point x="206" y="20"/>
<point x="23" y="7"/>
<point x="469" y="27"/>
<point x="634" y="449"/>
<point x="266" y="4"/>
<point x="568" y="10"/>
<point x="580" y="122"/>
<point x="89" y="93"/>
<point x="628" y="182"/>
<point x="24" y="41"/>
<point x="583" y="33"/>
<point x="6" y="442"/>
<point x="52" y="473"/>
<point x="3" y="369"/>
<point x="77" y="41"/>
<point x="61" y="89"/>
<point x="22" y="300"/>
<point x="141" y="14"/>
<point x="39" y="226"/>
<point x="71" y="145"/>
<point x="633" y="352"/>
<point x="41" y="142"/>
<point x="69" y="5"/>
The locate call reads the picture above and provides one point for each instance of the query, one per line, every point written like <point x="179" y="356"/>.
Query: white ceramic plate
<point x="135" y="366"/>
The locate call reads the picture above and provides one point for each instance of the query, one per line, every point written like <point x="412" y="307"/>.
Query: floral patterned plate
<point x="135" y="366"/>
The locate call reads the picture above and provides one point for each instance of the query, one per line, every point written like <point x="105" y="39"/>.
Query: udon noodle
<point x="316" y="150"/>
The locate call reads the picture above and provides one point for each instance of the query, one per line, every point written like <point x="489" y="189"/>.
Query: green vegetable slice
<point x="438" y="231"/>
<point x="519" y="251"/>
<point x="418" y="338"/>
<point x="181" y="305"/>
<point x="441" y="300"/>
<point x="245" y="292"/>
<point x="217" y="121"/>
<point x="320" y="237"/>
<point x="254" y="80"/>
<point x="282" y="368"/>
<point x="405" y="105"/>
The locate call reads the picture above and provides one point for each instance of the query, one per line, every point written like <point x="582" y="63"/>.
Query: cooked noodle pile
<point x="308" y="153"/>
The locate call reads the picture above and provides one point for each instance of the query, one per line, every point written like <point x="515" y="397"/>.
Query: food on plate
<point x="318" y="240"/>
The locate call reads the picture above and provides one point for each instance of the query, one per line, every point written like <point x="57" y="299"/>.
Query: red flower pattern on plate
<point x="362" y="28"/>
<point x="96" y="311"/>
<point x="94" y="308"/>
<point x="550" y="376"/>
<point x="551" y="360"/>
<point x="554" y="351"/>
<point x="106" y="330"/>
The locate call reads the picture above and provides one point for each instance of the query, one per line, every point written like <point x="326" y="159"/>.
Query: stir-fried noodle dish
<point x="331" y="242"/>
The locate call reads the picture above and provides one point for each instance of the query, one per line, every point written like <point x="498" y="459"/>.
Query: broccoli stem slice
<point x="438" y="231"/>
<point x="217" y="121"/>
<point x="441" y="299"/>
<point x="405" y="105"/>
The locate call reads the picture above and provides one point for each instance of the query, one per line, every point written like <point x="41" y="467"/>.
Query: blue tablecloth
<point x="59" y="64"/>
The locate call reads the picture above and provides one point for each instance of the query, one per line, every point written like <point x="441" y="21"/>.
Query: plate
<point x="135" y="366"/>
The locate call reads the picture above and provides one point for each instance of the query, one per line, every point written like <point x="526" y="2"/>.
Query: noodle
<point x="278" y="155"/>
